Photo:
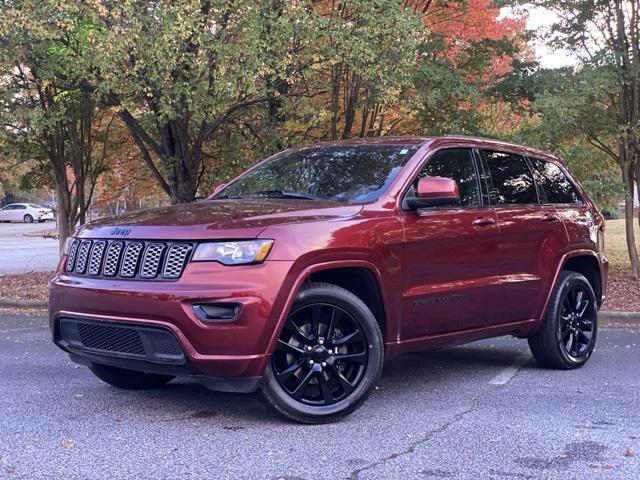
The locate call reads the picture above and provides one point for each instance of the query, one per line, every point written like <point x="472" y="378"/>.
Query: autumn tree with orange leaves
<point x="203" y="88"/>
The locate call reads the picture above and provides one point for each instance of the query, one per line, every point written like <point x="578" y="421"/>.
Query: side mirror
<point x="434" y="192"/>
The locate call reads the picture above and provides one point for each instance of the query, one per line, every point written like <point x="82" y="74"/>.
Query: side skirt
<point x="518" y="329"/>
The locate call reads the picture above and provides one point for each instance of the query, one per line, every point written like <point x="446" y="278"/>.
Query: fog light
<point x="221" y="312"/>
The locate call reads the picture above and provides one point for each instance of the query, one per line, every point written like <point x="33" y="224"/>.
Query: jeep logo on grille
<point x="119" y="232"/>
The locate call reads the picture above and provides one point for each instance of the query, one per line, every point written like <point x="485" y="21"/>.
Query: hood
<point x="242" y="218"/>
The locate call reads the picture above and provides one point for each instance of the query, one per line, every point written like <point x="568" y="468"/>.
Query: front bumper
<point x="239" y="348"/>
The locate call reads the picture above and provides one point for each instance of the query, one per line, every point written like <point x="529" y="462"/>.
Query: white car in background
<point x="25" y="212"/>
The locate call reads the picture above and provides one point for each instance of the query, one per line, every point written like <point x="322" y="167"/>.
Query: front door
<point x="450" y="256"/>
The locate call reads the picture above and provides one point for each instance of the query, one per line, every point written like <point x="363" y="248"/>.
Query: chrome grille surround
<point x="71" y="259"/>
<point x="95" y="259"/>
<point x="128" y="259"/>
<point x="83" y="256"/>
<point x="151" y="260"/>
<point x="112" y="259"/>
<point x="176" y="259"/>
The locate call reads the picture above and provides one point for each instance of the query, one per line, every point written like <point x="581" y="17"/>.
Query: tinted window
<point x="555" y="185"/>
<point x="350" y="174"/>
<point x="511" y="179"/>
<point x="456" y="164"/>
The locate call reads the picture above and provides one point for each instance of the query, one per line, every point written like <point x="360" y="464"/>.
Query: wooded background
<point x="117" y="105"/>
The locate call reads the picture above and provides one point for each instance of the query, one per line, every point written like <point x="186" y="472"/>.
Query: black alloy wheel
<point x="567" y="336"/>
<point x="327" y="358"/>
<point x="577" y="321"/>
<point x="321" y="355"/>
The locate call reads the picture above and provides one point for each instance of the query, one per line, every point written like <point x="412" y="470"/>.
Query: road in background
<point x="484" y="410"/>
<point x="23" y="254"/>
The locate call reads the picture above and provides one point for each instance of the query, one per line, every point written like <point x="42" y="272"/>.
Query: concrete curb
<point x="18" y="303"/>
<point x="613" y="315"/>
<point x="619" y="319"/>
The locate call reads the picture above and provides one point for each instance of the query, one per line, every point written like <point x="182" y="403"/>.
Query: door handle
<point x="483" y="221"/>
<point x="549" y="217"/>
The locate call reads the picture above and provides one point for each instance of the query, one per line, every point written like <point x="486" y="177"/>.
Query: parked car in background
<point x="302" y="275"/>
<point x="25" y="212"/>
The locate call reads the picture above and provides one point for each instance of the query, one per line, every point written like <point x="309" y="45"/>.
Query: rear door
<point x="558" y="192"/>
<point x="531" y="235"/>
<point x="450" y="255"/>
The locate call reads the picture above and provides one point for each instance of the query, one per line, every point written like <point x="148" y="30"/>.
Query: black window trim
<point x="566" y="174"/>
<point x="483" y="175"/>
<point x="489" y="179"/>
<point x="425" y="161"/>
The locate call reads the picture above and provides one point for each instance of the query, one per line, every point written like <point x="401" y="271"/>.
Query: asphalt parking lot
<point x="479" y="411"/>
<point x="23" y="254"/>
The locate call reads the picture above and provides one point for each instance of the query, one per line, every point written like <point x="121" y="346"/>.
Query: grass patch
<point x="616" y="245"/>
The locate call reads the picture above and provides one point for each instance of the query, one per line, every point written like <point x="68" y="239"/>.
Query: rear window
<point x="556" y="187"/>
<point x="511" y="181"/>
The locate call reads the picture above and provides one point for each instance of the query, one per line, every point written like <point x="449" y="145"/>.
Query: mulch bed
<point x="623" y="293"/>
<point x="27" y="286"/>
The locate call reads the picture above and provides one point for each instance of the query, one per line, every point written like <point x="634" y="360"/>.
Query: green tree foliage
<point x="41" y="119"/>
<point x="606" y="36"/>
<point x="207" y="86"/>
<point x="568" y="118"/>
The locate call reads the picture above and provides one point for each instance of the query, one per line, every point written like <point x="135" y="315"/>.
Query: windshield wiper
<point x="285" y="194"/>
<point x="228" y="197"/>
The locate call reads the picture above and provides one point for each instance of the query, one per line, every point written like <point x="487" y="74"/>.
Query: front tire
<point x="28" y="218"/>
<point x="568" y="333"/>
<point x="328" y="357"/>
<point x="129" y="379"/>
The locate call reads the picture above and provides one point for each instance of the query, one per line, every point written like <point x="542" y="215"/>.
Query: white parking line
<point x="23" y="329"/>
<point x="508" y="373"/>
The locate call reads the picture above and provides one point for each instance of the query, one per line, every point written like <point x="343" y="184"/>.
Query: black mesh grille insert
<point x="129" y="259"/>
<point x="145" y="342"/>
<point x="111" y="338"/>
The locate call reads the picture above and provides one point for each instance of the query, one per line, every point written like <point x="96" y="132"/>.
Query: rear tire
<point x="129" y="379"/>
<point x="328" y="357"/>
<point x="28" y="218"/>
<point x="567" y="336"/>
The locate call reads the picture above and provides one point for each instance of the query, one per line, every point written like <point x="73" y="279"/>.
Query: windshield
<point x="344" y="174"/>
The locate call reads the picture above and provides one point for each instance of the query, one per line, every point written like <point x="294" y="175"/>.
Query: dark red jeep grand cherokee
<point x="303" y="274"/>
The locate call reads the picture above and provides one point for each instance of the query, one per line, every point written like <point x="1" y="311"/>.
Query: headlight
<point x="233" y="253"/>
<point x="67" y="245"/>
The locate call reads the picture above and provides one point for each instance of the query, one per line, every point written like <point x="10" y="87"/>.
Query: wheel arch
<point x="581" y="261"/>
<point x="360" y="281"/>
<point x="344" y="274"/>
<point x="587" y="264"/>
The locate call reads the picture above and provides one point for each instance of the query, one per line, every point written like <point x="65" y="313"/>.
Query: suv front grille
<point x="130" y="259"/>
<point x="119" y="339"/>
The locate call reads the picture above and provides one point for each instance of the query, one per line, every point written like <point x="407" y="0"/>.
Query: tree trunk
<point x="63" y="214"/>
<point x="629" y="219"/>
